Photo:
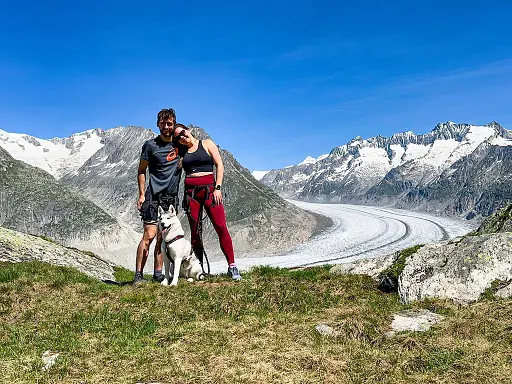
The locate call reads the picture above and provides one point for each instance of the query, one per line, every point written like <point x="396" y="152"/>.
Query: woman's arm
<point x="219" y="167"/>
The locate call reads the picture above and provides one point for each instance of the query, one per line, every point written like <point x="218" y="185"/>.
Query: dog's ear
<point x="172" y="211"/>
<point x="160" y="211"/>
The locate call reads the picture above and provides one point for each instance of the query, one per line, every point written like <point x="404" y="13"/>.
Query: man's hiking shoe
<point x="234" y="274"/>
<point x="158" y="278"/>
<point x="138" y="279"/>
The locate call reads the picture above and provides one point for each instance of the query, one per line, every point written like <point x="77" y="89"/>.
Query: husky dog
<point x="176" y="249"/>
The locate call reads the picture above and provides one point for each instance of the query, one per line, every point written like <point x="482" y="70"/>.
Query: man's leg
<point x="143" y="249"/>
<point x="159" y="258"/>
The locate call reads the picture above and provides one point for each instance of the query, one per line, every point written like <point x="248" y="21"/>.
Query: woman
<point x="203" y="189"/>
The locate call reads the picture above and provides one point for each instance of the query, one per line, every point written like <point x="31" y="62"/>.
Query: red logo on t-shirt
<point x="172" y="155"/>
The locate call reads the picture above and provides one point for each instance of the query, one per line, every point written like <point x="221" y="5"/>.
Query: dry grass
<point x="258" y="331"/>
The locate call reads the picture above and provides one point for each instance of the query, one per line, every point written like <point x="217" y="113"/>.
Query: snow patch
<point x="56" y="156"/>
<point x="440" y="151"/>
<point x="398" y="152"/>
<point x="415" y="151"/>
<point x="308" y="160"/>
<point x="258" y="175"/>
<point x="500" y="141"/>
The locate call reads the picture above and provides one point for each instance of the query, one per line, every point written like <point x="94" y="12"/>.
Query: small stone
<point x="49" y="358"/>
<point x="505" y="292"/>
<point x="414" y="320"/>
<point x="325" y="330"/>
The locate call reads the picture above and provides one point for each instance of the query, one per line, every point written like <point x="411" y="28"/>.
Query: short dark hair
<point x="179" y="125"/>
<point x="165" y="114"/>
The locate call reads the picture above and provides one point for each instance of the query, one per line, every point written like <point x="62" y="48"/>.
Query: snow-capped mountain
<point x="57" y="156"/>
<point x="258" y="175"/>
<point x="383" y="170"/>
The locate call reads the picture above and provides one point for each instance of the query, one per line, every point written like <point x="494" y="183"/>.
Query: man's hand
<point x="217" y="197"/>
<point x="141" y="200"/>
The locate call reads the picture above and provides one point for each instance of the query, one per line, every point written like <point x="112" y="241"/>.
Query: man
<point x="160" y="155"/>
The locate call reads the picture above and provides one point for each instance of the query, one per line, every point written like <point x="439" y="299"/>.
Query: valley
<point x="360" y="232"/>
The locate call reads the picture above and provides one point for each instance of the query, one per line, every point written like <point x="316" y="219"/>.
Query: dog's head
<point x="166" y="218"/>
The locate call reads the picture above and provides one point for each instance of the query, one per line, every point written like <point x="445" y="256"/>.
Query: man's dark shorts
<point x="149" y="209"/>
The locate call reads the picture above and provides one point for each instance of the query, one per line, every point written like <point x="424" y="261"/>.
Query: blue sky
<point x="270" y="82"/>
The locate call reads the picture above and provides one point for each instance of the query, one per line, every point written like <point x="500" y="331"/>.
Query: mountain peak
<point x="308" y="160"/>
<point x="450" y="130"/>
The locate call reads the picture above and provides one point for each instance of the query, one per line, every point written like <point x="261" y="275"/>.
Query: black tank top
<point x="198" y="161"/>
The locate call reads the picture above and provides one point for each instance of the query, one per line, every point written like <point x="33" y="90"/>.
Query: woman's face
<point x="182" y="135"/>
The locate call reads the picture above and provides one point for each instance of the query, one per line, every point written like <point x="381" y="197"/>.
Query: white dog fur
<point x="179" y="252"/>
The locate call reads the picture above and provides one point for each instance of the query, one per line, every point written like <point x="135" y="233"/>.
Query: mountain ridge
<point x="384" y="170"/>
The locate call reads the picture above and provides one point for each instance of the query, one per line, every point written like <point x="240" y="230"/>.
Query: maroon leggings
<point x="198" y="198"/>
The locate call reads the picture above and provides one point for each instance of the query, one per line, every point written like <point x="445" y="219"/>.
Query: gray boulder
<point x="18" y="247"/>
<point x="459" y="270"/>
<point x="371" y="267"/>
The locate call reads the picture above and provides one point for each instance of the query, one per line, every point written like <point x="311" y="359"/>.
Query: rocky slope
<point x="454" y="169"/>
<point x="17" y="247"/>
<point x="109" y="176"/>
<point x="32" y="201"/>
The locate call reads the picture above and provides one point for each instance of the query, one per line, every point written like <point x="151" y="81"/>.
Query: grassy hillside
<point x="261" y="330"/>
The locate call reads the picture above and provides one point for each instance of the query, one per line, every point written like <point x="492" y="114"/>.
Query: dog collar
<point x="174" y="239"/>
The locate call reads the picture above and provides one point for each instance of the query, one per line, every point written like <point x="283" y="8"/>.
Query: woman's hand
<point x="217" y="197"/>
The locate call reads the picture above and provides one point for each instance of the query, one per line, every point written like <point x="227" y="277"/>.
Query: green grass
<point x="489" y="293"/>
<point x="45" y="238"/>
<point x="398" y="266"/>
<point x="259" y="330"/>
<point x="123" y="275"/>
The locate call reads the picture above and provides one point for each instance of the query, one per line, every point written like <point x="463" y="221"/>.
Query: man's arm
<point x="141" y="180"/>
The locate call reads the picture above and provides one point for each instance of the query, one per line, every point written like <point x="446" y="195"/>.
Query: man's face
<point x="166" y="127"/>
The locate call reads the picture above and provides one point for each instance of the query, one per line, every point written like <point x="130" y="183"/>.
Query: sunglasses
<point x="180" y="135"/>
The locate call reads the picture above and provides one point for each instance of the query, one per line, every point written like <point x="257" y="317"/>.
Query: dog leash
<point x="201" y="217"/>
<point x="200" y="231"/>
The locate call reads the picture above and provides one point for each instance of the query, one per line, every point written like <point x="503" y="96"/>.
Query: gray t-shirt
<point x="163" y="157"/>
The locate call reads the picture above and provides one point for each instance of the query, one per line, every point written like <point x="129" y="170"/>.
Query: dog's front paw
<point x="190" y="280"/>
<point x="164" y="282"/>
<point x="173" y="285"/>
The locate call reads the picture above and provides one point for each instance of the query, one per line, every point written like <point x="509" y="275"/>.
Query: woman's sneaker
<point x="233" y="273"/>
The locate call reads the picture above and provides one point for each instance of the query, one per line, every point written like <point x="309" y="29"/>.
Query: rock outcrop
<point x="18" y="247"/>
<point x="371" y="267"/>
<point x="459" y="270"/>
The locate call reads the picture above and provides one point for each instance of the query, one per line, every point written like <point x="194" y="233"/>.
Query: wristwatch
<point x="217" y="187"/>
